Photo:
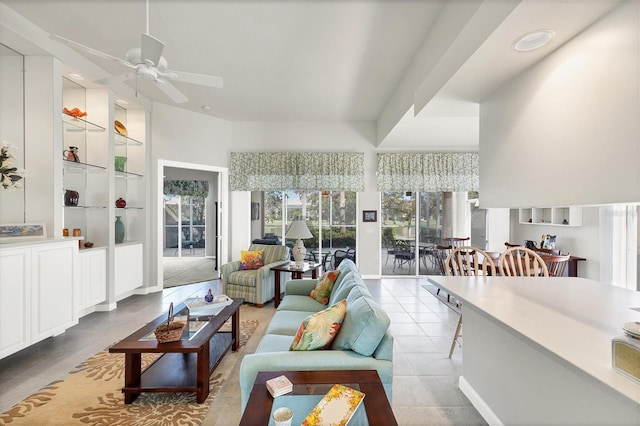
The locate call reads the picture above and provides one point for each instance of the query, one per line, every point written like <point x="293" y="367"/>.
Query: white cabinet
<point x="53" y="289"/>
<point x="39" y="294"/>
<point x="128" y="268"/>
<point x="93" y="283"/>
<point x="552" y="216"/>
<point x="15" y="306"/>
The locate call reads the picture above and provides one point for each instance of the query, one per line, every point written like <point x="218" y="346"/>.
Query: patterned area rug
<point x="442" y="296"/>
<point x="91" y="395"/>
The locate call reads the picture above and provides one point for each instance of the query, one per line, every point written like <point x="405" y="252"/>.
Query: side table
<point x="296" y="273"/>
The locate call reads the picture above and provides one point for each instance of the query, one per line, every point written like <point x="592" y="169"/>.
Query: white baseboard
<point x="106" y="307"/>
<point x="479" y="404"/>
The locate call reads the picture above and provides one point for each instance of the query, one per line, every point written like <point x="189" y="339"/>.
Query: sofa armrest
<point x="252" y="364"/>
<point x="300" y="287"/>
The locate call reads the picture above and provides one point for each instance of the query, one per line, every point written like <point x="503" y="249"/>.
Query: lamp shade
<point x="298" y="230"/>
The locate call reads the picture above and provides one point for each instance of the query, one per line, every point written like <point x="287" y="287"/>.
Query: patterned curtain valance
<point x="193" y="188"/>
<point x="309" y="171"/>
<point x="428" y="171"/>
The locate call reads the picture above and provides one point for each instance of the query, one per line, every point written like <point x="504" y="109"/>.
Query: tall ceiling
<point x="303" y="60"/>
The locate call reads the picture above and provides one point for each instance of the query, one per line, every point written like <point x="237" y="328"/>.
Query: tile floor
<point x="425" y="389"/>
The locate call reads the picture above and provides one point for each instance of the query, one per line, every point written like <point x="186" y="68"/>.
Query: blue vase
<point x="119" y="230"/>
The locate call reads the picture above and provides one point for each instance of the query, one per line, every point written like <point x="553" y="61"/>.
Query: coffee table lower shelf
<point x="178" y="372"/>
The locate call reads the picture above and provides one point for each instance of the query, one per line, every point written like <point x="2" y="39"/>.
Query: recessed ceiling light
<point x="534" y="40"/>
<point x="206" y="107"/>
<point x="76" y="76"/>
<point x="121" y="102"/>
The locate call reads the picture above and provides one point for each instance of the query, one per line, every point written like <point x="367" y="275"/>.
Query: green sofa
<point x="362" y="343"/>
<point x="255" y="285"/>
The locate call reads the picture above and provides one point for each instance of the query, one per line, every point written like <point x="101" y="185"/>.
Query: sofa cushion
<point x="287" y="322"/>
<point x="294" y="302"/>
<point x="322" y="291"/>
<point x="317" y="331"/>
<point x="245" y="278"/>
<point x="251" y="259"/>
<point x="364" y="325"/>
<point x="274" y="343"/>
<point x="341" y="290"/>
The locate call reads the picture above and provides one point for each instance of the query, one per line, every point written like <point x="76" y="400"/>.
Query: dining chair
<point x="390" y="248"/>
<point x="467" y="261"/>
<point x="556" y="264"/>
<point x="522" y="262"/>
<point x="456" y="241"/>
<point x="441" y="252"/>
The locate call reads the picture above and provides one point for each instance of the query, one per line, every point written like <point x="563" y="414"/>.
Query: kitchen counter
<point x="538" y="350"/>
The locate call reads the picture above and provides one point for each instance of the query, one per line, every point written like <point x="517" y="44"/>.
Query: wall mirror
<point x="12" y="200"/>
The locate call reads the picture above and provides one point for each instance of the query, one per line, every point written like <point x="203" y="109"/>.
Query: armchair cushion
<point x="317" y="331"/>
<point x="251" y="259"/>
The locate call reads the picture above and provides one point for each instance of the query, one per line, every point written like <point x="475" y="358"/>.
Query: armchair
<point x="254" y="285"/>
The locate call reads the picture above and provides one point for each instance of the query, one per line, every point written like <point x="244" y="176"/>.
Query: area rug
<point x="91" y="395"/>
<point x="442" y="297"/>
<point x="187" y="270"/>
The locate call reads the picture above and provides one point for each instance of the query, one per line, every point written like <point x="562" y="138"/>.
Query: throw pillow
<point x="251" y="259"/>
<point x="317" y="331"/>
<point x="323" y="289"/>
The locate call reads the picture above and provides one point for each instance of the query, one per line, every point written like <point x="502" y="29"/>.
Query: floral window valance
<point x="310" y="171"/>
<point x="429" y="171"/>
<point x="193" y="188"/>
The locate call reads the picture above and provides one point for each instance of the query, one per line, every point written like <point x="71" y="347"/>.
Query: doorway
<point x="190" y="223"/>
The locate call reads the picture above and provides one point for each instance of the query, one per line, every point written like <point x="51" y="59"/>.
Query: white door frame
<point x="223" y="201"/>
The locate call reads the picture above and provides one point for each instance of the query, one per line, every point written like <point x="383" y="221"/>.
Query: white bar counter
<point x="538" y="350"/>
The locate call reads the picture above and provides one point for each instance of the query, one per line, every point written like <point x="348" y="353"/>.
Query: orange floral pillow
<point x="323" y="289"/>
<point x="317" y="331"/>
<point x="251" y="259"/>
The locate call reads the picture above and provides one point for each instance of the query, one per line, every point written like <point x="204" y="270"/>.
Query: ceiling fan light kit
<point x="148" y="62"/>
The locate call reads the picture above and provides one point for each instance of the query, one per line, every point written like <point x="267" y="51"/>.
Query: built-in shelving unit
<point x="551" y="216"/>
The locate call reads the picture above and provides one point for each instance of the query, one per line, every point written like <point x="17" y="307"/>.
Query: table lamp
<point x="298" y="231"/>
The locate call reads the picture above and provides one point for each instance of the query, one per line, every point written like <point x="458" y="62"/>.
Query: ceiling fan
<point x="146" y="61"/>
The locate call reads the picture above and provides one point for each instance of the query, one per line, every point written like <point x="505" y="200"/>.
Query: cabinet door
<point x="93" y="285"/>
<point x="15" y="303"/>
<point x="128" y="268"/>
<point x="53" y="274"/>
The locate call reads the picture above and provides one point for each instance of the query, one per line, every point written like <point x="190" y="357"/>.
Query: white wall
<point x="565" y="132"/>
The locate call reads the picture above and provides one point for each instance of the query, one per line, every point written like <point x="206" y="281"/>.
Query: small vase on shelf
<point x="119" y="230"/>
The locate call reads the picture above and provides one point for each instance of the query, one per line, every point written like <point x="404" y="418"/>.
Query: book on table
<point x="279" y="386"/>
<point x="336" y="407"/>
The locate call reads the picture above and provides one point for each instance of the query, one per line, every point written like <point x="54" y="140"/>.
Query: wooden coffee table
<point x="296" y="273"/>
<point x="185" y="365"/>
<point x="316" y="384"/>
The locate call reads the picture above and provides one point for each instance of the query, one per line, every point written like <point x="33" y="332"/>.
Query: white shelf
<point x="551" y="216"/>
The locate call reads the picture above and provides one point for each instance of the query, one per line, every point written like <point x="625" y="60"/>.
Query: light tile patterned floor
<point x="425" y="389"/>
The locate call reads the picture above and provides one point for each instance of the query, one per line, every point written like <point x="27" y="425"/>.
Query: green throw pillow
<point x="317" y="331"/>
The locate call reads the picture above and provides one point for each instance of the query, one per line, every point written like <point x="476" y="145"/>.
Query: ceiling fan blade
<point x="201" y="79"/>
<point x="151" y="49"/>
<point x="87" y="49"/>
<point x="116" y="79"/>
<point x="171" y="91"/>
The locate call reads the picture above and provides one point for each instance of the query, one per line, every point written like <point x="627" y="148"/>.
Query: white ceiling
<point x="302" y="60"/>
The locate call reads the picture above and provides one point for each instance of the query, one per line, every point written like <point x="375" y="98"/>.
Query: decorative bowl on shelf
<point x="88" y="244"/>
<point x="119" y="127"/>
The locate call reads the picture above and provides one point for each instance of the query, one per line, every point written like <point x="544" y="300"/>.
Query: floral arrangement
<point x="10" y="176"/>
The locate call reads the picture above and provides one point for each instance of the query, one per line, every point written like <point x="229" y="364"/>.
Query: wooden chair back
<point x="469" y="261"/>
<point x="522" y="262"/>
<point x="456" y="241"/>
<point x="556" y="264"/>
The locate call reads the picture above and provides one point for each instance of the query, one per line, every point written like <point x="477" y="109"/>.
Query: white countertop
<point x="572" y="319"/>
<point x="28" y="242"/>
